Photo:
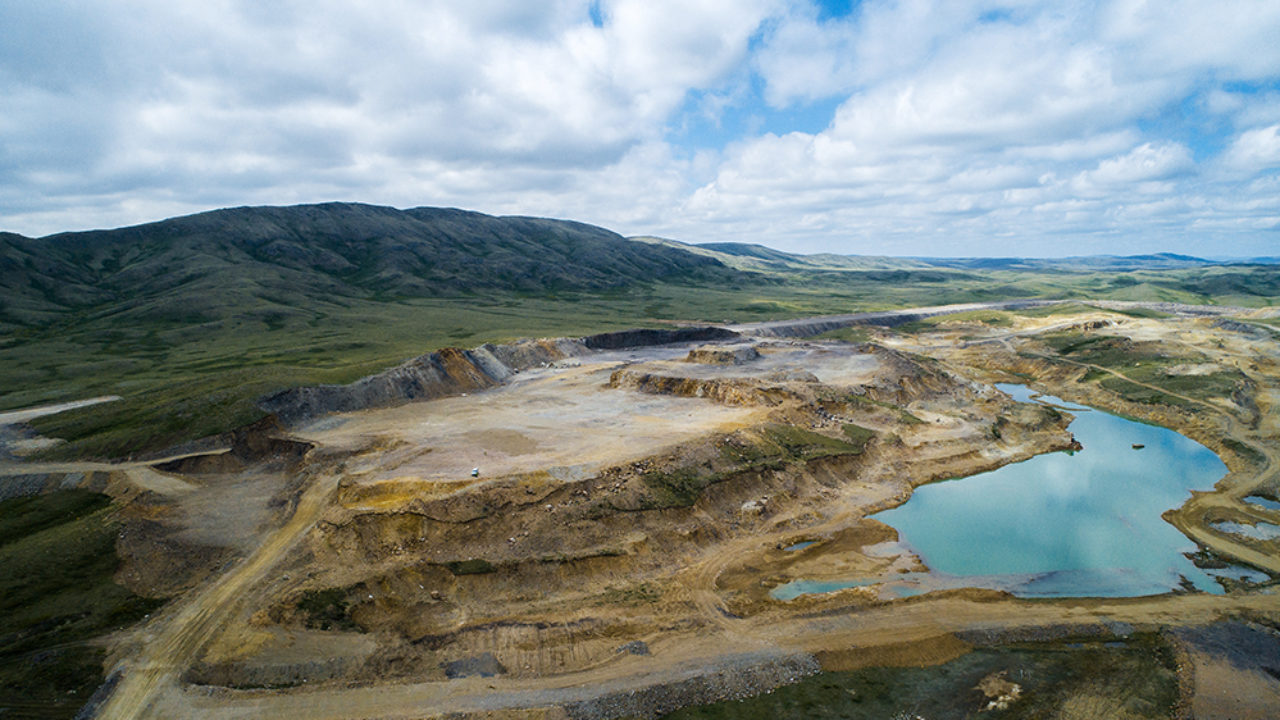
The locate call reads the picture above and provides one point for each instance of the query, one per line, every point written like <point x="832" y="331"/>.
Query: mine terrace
<point x="592" y="527"/>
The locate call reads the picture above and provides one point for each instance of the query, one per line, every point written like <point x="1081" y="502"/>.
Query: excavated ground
<point x="613" y="553"/>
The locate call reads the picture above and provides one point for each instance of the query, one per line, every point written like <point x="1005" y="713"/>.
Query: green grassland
<point x="192" y="320"/>
<point x="1148" y="363"/>
<point x="775" y="446"/>
<point x="184" y="378"/>
<point x="57" y="558"/>
<point x="990" y="318"/>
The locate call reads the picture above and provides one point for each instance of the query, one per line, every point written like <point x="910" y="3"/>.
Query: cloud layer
<point x="948" y="127"/>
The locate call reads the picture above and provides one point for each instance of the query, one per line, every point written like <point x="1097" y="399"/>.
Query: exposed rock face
<point x="447" y="578"/>
<point x="731" y="391"/>
<point x="259" y="443"/>
<point x="739" y="355"/>
<point x="641" y="338"/>
<point x="545" y="576"/>
<point x="446" y="372"/>
<point x="450" y="371"/>
<point x="1239" y="327"/>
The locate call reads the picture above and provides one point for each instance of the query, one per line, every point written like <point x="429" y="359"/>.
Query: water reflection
<point x="1263" y="502"/>
<point x="1260" y="531"/>
<point x="1081" y="524"/>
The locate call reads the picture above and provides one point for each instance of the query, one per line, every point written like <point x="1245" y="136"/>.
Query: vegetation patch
<point x="989" y="318"/>
<point x="907" y="418"/>
<point x="1141" y="394"/>
<point x="1136" y="678"/>
<point x="681" y="487"/>
<point x="858" y="435"/>
<point x="57" y="559"/>
<point x="1142" y="365"/>
<point x="774" y="446"/>
<point x="473" y="566"/>
<point x="1071" y="308"/>
<point x="764" y="307"/>
<point x="1105" y="350"/>
<point x="1140" y="312"/>
<point x="1250" y="454"/>
<point x="327" y="609"/>
<point x="1094" y="374"/>
<point x="904" y="416"/>
<point x="800" y="444"/>
<point x="640" y="594"/>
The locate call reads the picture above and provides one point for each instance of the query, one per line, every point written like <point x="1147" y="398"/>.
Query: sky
<point x="911" y="127"/>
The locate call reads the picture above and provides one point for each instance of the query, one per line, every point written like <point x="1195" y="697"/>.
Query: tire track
<point x="178" y="637"/>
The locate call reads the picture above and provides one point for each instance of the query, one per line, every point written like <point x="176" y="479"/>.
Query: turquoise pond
<point x="1062" y="524"/>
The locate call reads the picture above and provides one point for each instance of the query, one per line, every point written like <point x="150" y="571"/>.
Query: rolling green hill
<point x="192" y="319"/>
<point x="274" y="261"/>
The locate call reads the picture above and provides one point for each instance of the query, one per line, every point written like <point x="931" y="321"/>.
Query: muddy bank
<point x="1235" y="668"/>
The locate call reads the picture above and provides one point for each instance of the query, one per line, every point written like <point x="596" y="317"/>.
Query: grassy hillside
<point x="273" y="262"/>
<point x="192" y="319"/>
<point x="57" y="558"/>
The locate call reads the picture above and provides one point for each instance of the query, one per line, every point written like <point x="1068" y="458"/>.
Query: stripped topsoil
<point x="590" y="528"/>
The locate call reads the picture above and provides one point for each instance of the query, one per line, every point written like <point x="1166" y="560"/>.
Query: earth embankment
<point x="451" y="371"/>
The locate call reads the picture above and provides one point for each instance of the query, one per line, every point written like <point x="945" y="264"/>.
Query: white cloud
<point x="1236" y="38"/>
<point x="1027" y="124"/>
<point x="1256" y="150"/>
<point x="1145" y="163"/>
<point x="957" y="121"/>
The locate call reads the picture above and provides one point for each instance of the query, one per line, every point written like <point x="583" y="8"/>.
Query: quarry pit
<point x="591" y="527"/>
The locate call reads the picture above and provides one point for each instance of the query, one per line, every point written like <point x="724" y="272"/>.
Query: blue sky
<point x="917" y="127"/>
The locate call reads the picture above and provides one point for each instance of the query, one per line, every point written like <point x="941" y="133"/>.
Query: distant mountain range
<point x="241" y="257"/>
<point x="192" y="320"/>
<point x="252" y="259"/>
<point x="746" y="256"/>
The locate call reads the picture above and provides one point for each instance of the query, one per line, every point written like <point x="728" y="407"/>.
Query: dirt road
<point x="171" y="641"/>
<point x="734" y="646"/>
<point x="151" y="686"/>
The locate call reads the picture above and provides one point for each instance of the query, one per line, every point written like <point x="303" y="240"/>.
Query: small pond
<point x="1264" y="531"/>
<point x="1262" y="502"/>
<point x="1062" y="524"/>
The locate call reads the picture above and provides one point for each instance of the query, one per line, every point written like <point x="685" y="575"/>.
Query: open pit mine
<point x="598" y="527"/>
